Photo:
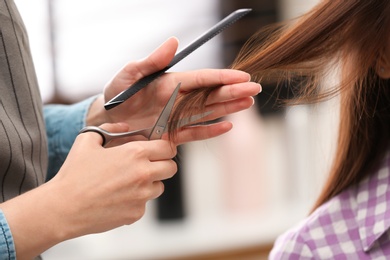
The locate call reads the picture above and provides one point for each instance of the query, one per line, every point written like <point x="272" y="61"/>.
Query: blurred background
<point x="233" y="195"/>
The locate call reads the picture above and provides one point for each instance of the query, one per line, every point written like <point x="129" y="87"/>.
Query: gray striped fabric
<point x="23" y="145"/>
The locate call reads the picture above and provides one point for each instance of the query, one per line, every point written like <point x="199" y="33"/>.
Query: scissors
<point x="152" y="133"/>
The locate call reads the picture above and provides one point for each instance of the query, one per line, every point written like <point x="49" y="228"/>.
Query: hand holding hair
<point x="229" y="90"/>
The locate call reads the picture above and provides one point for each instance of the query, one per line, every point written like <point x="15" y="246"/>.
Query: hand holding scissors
<point x="154" y="132"/>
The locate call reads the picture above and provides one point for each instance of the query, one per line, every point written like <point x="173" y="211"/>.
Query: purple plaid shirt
<point x="353" y="225"/>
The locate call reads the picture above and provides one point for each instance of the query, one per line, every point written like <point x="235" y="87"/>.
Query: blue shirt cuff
<point x="63" y="123"/>
<point x="7" y="247"/>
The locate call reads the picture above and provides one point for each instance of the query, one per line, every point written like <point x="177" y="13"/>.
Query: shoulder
<point x="312" y="238"/>
<point x="292" y="244"/>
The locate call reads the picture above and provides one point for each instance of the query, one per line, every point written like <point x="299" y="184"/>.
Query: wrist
<point x="96" y="115"/>
<point x="34" y="228"/>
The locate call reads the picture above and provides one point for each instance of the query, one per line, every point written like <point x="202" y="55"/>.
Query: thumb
<point x="159" y="58"/>
<point x="135" y="70"/>
<point x="98" y="138"/>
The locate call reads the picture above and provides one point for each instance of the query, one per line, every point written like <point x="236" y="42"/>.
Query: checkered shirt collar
<point x="373" y="206"/>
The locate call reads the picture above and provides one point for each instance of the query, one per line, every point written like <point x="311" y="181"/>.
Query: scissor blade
<point x="159" y="128"/>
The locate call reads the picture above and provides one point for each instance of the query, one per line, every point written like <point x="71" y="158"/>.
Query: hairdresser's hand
<point x="97" y="189"/>
<point x="118" y="180"/>
<point x="234" y="93"/>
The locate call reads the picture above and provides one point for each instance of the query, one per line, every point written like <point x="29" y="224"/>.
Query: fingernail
<point x="260" y="88"/>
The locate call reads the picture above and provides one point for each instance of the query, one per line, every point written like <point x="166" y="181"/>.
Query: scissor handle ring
<point x="95" y="129"/>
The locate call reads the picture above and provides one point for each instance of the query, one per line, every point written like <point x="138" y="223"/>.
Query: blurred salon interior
<point x="233" y="195"/>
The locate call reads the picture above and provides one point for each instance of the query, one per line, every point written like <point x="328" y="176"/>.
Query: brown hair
<point x="350" y="34"/>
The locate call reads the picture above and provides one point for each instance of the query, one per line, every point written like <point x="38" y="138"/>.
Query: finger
<point x="202" y="132"/>
<point x="229" y="107"/>
<point x="157" y="60"/>
<point x="162" y="170"/>
<point x="155" y="150"/>
<point x="157" y="189"/>
<point x="210" y="77"/>
<point x="233" y="91"/>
